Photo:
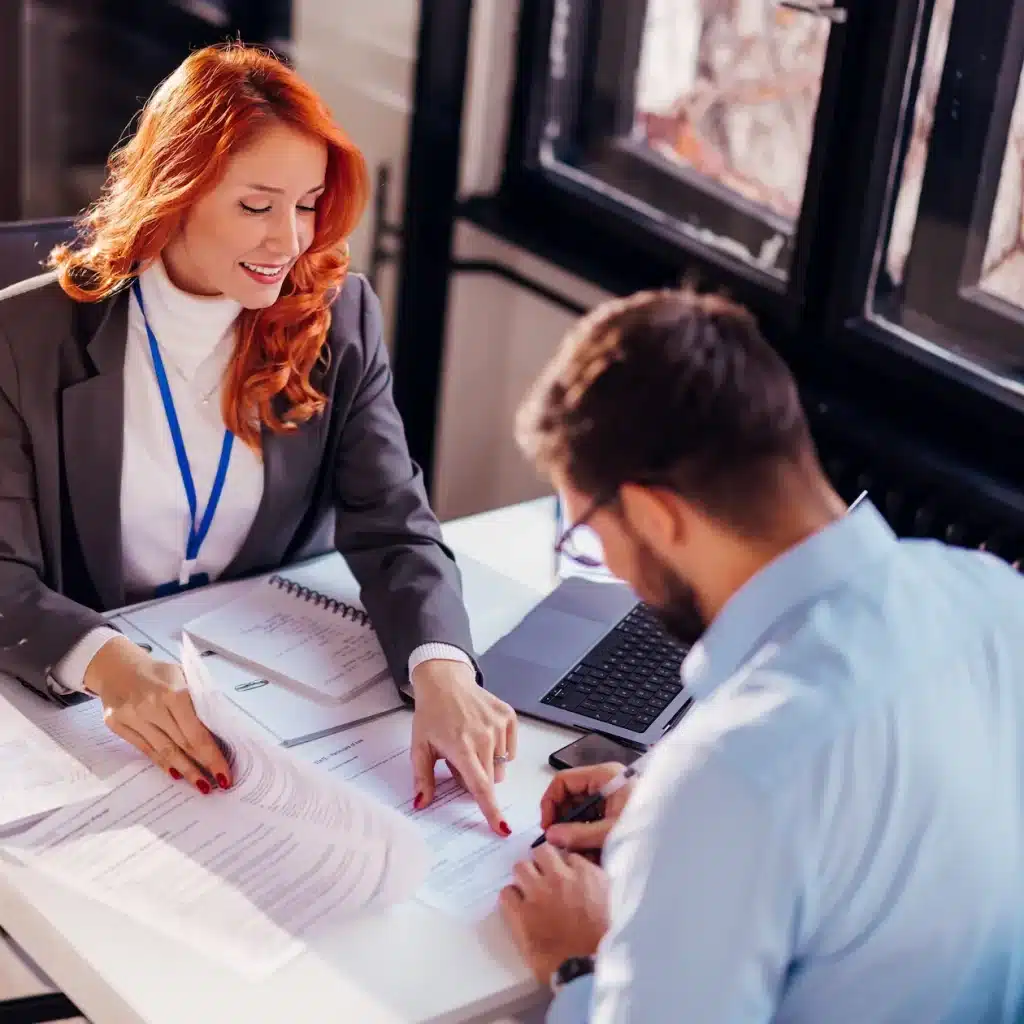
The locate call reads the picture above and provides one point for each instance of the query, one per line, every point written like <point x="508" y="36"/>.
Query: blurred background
<point x="853" y="173"/>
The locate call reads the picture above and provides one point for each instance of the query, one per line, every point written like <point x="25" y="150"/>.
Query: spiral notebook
<point x="317" y="645"/>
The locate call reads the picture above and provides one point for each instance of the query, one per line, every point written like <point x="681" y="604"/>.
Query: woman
<point x="199" y="390"/>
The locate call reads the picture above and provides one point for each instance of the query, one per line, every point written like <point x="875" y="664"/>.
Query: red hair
<point x="208" y="109"/>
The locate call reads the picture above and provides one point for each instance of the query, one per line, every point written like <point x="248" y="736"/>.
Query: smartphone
<point x="593" y="748"/>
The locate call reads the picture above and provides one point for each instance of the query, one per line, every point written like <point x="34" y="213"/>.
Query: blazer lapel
<point x="93" y="440"/>
<point x="292" y="464"/>
<point x="267" y="537"/>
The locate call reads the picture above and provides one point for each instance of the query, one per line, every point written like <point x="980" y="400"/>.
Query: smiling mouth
<point x="264" y="271"/>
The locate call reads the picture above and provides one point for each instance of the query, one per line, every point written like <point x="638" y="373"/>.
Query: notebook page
<point x="295" y="642"/>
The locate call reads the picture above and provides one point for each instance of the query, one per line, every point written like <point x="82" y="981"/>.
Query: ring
<point x="501" y="758"/>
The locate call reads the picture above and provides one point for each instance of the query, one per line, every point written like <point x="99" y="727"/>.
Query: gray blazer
<point x="342" y="480"/>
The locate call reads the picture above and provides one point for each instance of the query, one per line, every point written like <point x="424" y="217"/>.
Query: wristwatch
<point x="571" y="969"/>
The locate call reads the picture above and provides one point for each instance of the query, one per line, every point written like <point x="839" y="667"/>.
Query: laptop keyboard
<point x="628" y="679"/>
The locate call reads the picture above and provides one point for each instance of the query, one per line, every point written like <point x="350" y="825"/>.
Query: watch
<point x="571" y="969"/>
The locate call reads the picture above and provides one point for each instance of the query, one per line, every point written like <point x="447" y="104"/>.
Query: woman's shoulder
<point x="37" y="307"/>
<point x="355" y="314"/>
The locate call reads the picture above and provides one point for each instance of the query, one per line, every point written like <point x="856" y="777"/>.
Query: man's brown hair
<point x="674" y="389"/>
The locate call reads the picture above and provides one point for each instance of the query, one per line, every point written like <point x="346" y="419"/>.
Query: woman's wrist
<point x="115" y="657"/>
<point x="441" y="673"/>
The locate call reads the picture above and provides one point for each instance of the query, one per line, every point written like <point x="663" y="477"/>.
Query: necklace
<point x="204" y="396"/>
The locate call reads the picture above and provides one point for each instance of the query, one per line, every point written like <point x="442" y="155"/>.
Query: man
<point x="835" y="831"/>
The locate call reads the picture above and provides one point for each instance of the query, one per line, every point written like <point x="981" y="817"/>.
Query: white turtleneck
<point x="196" y="340"/>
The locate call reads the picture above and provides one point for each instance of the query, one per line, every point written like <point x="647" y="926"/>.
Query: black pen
<point x="610" y="788"/>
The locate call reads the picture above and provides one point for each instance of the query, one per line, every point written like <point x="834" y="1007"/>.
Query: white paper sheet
<point x="78" y="729"/>
<point x="244" y="874"/>
<point x="469" y="864"/>
<point x="238" y="881"/>
<point x="268" y="777"/>
<point x="39" y="775"/>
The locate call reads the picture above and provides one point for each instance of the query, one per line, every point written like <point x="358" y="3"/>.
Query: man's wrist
<point x="569" y="970"/>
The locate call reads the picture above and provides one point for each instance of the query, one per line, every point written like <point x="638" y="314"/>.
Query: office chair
<point x="25" y="245"/>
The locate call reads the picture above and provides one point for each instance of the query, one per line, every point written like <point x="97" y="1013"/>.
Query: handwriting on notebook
<point x="318" y="645"/>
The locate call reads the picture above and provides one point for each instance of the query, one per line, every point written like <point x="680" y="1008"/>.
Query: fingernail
<point x="418" y="802"/>
<point x="222" y="781"/>
<point x="203" y="786"/>
<point x="175" y="774"/>
<point x="504" y="829"/>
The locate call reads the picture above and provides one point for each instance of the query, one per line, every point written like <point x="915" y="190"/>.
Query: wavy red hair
<point x="208" y="109"/>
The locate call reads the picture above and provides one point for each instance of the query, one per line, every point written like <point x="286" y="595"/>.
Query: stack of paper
<point x="244" y="874"/>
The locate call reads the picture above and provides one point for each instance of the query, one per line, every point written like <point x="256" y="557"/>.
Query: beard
<point x="671" y="598"/>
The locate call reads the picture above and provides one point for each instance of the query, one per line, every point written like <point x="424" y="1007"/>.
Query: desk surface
<point x="409" y="964"/>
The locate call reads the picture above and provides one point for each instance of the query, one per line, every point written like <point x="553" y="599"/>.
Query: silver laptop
<point x="591" y="656"/>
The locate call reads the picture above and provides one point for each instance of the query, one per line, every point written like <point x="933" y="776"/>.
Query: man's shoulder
<point x="826" y="674"/>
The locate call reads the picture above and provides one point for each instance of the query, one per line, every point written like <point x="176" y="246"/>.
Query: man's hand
<point x="459" y="721"/>
<point x="570" y="787"/>
<point x="557" y="908"/>
<point x="147" y="703"/>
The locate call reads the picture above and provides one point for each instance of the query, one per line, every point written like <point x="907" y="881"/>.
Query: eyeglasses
<point x="578" y="542"/>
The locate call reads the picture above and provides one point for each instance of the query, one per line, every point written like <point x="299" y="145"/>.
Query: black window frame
<point x="899" y="371"/>
<point x="942" y="296"/>
<point x="573" y="201"/>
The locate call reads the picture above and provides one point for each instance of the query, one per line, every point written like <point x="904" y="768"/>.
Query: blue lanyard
<point x="196" y="536"/>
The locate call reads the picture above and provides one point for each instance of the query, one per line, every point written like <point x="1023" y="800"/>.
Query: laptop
<point x="592" y="657"/>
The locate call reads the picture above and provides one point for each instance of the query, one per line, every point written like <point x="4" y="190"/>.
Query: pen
<point x="610" y="788"/>
<point x="856" y="501"/>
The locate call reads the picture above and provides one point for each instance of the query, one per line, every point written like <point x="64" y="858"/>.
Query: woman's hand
<point x="569" y="788"/>
<point x="474" y="731"/>
<point x="147" y="703"/>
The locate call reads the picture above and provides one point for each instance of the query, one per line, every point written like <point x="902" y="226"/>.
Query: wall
<point x="361" y="57"/>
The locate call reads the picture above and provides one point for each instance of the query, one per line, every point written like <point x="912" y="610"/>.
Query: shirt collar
<point x="188" y="328"/>
<point x="810" y="568"/>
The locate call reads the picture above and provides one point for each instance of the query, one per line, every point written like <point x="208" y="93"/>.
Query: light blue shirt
<point x="835" y="832"/>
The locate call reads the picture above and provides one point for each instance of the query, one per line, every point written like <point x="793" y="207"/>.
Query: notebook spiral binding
<point x="332" y="604"/>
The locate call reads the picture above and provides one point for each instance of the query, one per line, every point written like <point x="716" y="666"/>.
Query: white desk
<point x="409" y="964"/>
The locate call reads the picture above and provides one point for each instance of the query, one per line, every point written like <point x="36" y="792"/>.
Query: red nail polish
<point x="175" y="774"/>
<point x="418" y="802"/>
<point x="504" y="829"/>
<point x="203" y="786"/>
<point x="222" y="781"/>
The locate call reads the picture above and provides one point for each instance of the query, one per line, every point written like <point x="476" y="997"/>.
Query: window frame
<point x="977" y="94"/>
<point x="622" y="233"/>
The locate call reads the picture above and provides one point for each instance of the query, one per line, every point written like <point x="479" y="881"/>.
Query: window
<point x="951" y="278"/>
<point x="697" y="118"/>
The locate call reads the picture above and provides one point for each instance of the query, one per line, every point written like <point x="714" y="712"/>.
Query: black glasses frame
<point x="564" y="539"/>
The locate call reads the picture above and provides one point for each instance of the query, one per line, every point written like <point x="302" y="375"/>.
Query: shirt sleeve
<point x="431" y="652"/>
<point x="704" y="895"/>
<point x="572" y="1003"/>
<point x="69" y="672"/>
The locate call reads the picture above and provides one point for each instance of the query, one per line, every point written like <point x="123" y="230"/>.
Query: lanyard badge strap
<point x="196" y="534"/>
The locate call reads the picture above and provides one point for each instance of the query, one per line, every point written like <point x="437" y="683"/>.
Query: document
<point x="243" y="874"/>
<point x="239" y="882"/>
<point x="469" y="865"/>
<point x="268" y="777"/>
<point x="79" y="730"/>
<point x="39" y="775"/>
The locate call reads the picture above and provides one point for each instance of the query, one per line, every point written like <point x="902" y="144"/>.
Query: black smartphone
<point x="593" y="748"/>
